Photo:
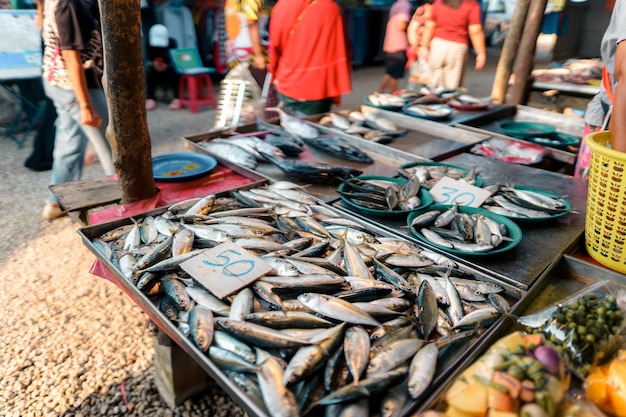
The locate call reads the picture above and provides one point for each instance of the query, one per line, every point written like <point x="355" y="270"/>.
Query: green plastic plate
<point x="513" y="230"/>
<point x="479" y="179"/>
<point x="568" y="207"/>
<point x="556" y="140"/>
<point x="525" y="129"/>
<point x="424" y="196"/>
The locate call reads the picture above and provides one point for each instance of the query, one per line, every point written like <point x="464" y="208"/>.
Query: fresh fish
<point x="287" y="319"/>
<point x="227" y="342"/>
<point x="387" y="274"/>
<point x="281" y="266"/>
<point x="241" y="305"/>
<point x="230" y="361"/>
<point x="310" y="358"/>
<point x="127" y="264"/>
<point x="393" y="356"/>
<point x="521" y="211"/>
<point x="133" y="238"/>
<point x="208" y="300"/>
<point x="202" y="207"/>
<point x="182" y="242"/>
<point x="426" y="309"/>
<point x="258" y="335"/>
<point x="499" y="302"/>
<point x="169" y="264"/>
<point x="482" y="318"/>
<point x="422" y="369"/>
<point x="335" y="308"/>
<point x="231" y="153"/>
<point x="279" y="400"/>
<point x="435" y="238"/>
<point x="455" y="309"/>
<point x="340" y="148"/>
<point x="201" y="327"/>
<point x="294" y="125"/>
<point x="287" y="146"/>
<point x="177" y="291"/>
<point x="366" y="387"/>
<point x="393" y="401"/>
<point x="313" y="172"/>
<point x="356" y="347"/>
<point x="203" y="231"/>
<point x="355" y="265"/>
<point x="116" y="233"/>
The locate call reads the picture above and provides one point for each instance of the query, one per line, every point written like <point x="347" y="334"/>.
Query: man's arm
<point x="255" y="37"/>
<point x="76" y="75"/>
<point x="477" y="36"/>
<point x="617" y="124"/>
<point x="429" y="29"/>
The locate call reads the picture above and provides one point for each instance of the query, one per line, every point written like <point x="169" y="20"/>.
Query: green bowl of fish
<point x="557" y="140"/>
<point x="564" y="207"/>
<point x="371" y="204"/>
<point x="506" y="239"/>
<point x="390" y="107"/>
<point x="406" y="168"/>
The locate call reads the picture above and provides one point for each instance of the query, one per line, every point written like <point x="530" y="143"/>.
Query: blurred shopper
<point x="608" y="107"/>
<point x="159" y="69"/>
<point x="419" y="71"/>
<point x="445" y="41"/>
<point x="243" y="32"/>
<point x="395" y="45"/>
<point x="72" y="73"/>
<point x="309" y="55"/>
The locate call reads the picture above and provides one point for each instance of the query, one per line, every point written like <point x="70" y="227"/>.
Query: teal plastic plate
<point x="568" y="207"/>
<point x="181" y="166"/>
<point x="425" y="198"/>
<point x="513" y="230"/>
<point x="479" y="179"/>
<point x="525" y="129"/>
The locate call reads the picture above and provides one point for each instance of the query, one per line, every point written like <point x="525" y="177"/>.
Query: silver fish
<point x="230" y="361"/>
<point x="208" y="300"/>
<point x="259" y="335"/>
<point x="201" y="327"/>
<point x="227" y="342"/>
<point x="279" y="400"/>
<point x="337" y="309"/>
<point x="422" y="369"/>
<point x="241" y="305"/>
<point x="393" y="356"/>
<point x="356" y="347"/>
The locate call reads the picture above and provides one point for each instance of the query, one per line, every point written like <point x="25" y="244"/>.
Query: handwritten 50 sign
<point x="225" y="269"/>
<point x="451" y="191"/>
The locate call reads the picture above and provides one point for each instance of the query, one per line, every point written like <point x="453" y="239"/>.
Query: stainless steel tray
<point x="445" y="368"/>
<point x="566" y="276"/>
<point x="541" y="242"/>
<point x="386" y="160"/>
<point x="426" y="138"/>
<point x="488" y="124"/>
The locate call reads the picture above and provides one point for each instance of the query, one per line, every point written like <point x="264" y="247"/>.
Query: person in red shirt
<point x="309" y="55"/>
<point x="445" y="41"/>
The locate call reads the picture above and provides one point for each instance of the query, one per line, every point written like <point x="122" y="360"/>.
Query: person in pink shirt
<point x="445" y="43"/>
<point x="395" y="44"/>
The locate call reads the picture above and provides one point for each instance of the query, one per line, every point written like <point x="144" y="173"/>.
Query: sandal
<point x="176" y="104"/>
<point x="150" y="104"/>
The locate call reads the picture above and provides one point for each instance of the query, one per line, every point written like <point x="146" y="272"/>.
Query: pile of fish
<point x="347" y="320"/>
<point x="429" y="175"/>
<point x="429" y="111"/>
<point x="276" y="144"/>
<point x="381" y="194"/>
<point x="369" y="126"/>
<point x="385" y="99"/>
<point x="460" y="231"/>
<point x="509" y="201"/>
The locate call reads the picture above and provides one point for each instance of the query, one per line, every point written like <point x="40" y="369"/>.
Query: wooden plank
<point x="86" y="194"/>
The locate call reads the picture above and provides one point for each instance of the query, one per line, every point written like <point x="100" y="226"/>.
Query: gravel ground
<point x="71" y="343"/>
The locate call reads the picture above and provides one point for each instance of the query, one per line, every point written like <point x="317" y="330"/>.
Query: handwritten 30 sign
<point x="451" y="191"/>
<point x="225" y="269"/>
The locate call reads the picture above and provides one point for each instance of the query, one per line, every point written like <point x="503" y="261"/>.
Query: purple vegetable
<point x="549" y="359"/>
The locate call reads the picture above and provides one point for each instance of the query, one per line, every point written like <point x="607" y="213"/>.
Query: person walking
<point x="419" y="71"/>
<point x="72" y="72"/>
<point x="445" y="41"/>
<point x="395" y="45"/>
<point x="608" y="107"/>
<point x="309" y="55"/>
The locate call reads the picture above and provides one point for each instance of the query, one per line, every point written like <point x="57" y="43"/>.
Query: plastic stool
<point x="195" y="90"/>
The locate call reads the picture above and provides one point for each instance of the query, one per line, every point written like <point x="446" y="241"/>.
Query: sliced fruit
<point x="495" y="413"/>
<point x="533" y="340"/>
<point x="527" y="393"/>
<point x="514" y="385"/>
<point x="454" y="412"/>
<point x="596" y="389"/>
<point x="471" y="400"/>
<point x="499" y="401"/>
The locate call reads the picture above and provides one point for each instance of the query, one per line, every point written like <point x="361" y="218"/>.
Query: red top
<point x="452" y="24"/>
<point x="308" y="51"/>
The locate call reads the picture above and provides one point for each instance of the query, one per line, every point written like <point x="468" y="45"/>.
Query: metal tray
<point x="566" y="276"/>
<point x="541" y="243"/>
<point x="386" y="160"/>
<point x="445" y="368"/>
<point x="488" y="124"/>
<point x="426" y="138"/>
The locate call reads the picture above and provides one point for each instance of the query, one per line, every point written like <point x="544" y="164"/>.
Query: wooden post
<point x="526" y="57"/>
<point x="509" y="52"/>
<point x="126" y="98"/>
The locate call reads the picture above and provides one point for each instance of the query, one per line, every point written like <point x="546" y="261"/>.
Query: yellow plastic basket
<point x="605" y="224"/>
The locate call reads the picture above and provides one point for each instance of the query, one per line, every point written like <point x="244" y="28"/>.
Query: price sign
<point x="225" y="269"/>
<point x="451" y="191"/>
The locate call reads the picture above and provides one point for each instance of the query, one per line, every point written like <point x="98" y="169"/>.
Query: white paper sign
<point x="451" y="191"/>
<point x="225" y="269"/>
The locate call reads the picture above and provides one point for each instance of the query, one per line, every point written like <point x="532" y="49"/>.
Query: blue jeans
<point x="72" y="136"/>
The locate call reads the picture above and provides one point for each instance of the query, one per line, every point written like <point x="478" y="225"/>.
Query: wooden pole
<point x="526" y="57"/>
<point x="509" y="52"/>
<point x="126" y="99"/>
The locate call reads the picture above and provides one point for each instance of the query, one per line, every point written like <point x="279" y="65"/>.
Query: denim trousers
<point x="72" y="136"/>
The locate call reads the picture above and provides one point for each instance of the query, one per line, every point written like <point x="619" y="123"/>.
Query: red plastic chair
<point x="195" y="88"/>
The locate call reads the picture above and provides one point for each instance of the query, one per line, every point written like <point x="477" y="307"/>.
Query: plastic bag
<point x="510" y="151"/>
<point x="586" y="328"/>
<point x="606" y="385"/>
